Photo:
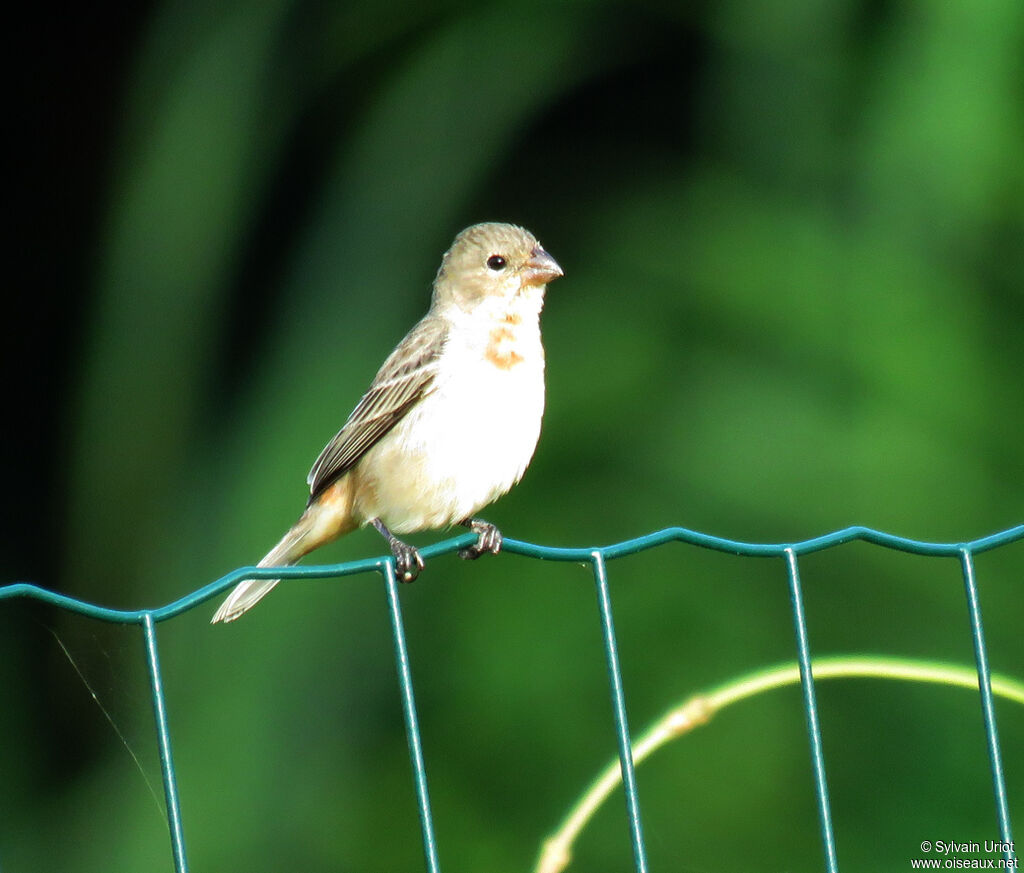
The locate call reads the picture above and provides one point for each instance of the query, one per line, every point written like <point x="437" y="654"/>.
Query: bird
<point x="449" y="423"/>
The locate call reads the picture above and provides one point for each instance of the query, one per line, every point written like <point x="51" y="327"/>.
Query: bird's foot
<point x="488" y="539"/>
<point x="408" y="562"/>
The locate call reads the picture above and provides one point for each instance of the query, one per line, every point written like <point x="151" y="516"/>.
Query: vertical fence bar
<point x="412" y="727"/>
<point x="611" y="650"/>
<point x="811" y="712"/>
<point x="988" y="710"/>
<point x="163" y="734"/>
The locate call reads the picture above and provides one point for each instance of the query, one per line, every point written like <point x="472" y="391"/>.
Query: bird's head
<point x="493" y="262"/>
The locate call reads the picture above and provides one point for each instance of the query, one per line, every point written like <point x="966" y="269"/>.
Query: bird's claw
<point x="488" y="540"/>
<point x="408" y="562"/>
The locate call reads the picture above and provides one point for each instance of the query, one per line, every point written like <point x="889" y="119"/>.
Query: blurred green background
<point x="793" y="238"/>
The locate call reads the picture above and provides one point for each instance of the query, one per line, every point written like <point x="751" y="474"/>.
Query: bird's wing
<point x="405" y="378"/>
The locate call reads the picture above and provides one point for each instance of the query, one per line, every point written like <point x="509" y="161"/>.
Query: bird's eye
<point x="496" y="262"/>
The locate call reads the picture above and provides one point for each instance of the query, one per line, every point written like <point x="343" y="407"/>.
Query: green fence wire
<point x="598" y="559"/>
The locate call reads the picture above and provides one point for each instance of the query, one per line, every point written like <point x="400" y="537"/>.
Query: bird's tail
<point x="247" y="594"/>
<point x="328" y="517"/>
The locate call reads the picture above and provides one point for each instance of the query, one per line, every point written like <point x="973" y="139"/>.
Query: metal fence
<point x="788" y="555"/>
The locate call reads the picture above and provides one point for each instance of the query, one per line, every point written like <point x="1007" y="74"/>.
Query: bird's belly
<point x="461" y="448"/>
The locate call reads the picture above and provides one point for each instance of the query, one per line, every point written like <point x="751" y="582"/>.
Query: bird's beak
<point x="541" y="268"/>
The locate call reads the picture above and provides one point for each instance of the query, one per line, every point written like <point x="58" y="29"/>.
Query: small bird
<point x="449" y="423"/>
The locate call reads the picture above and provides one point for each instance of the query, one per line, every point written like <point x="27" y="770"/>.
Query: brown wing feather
<point x="405" y="378"/>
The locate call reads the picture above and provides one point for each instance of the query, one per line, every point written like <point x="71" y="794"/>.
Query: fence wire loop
<point x="597" y="559"/>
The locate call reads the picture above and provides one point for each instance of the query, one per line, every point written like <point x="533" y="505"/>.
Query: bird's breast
<point x="492" y="386"/>
<point x="505" y="347"/>
<point x="471" y="438"/>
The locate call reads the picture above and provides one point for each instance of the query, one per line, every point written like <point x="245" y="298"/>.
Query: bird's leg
<point x="408" y="562"/>
<point x="488" y="539"/>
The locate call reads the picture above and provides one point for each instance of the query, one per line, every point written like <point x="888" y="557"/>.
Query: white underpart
<point x="471" y="439"/>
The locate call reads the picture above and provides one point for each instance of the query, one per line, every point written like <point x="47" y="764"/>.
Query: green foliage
<point x="792" y="238"/>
